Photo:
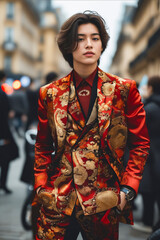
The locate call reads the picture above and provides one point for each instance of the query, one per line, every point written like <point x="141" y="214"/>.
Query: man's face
<point x="89" y="46"/>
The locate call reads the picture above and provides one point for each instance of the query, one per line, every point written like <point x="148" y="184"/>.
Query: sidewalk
<point x="11" y="205"/>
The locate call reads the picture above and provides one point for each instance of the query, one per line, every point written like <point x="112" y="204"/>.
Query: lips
<point x="89" y="54"/>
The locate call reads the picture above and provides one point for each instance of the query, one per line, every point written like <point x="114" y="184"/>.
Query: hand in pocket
<point x="47" y="199"/>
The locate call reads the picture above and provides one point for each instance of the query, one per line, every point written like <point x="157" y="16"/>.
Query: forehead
<point x="87" y="28"/>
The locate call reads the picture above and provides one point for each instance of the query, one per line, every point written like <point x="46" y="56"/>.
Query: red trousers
<point x="55" y="226"/>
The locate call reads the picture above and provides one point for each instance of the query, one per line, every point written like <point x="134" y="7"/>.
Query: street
<point x="11" y="205"/>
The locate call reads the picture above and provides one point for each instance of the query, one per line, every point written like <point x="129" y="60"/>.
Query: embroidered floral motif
<point x="64" y="99"/>
<point x="66" y="167"/>
<point x="90" y="165"/>
<point x="117" y="136"/>
<point x="49" y="93"/>
<point x="72" y="92"/>
<point x="80" y="175"/>
<point x="103" y="76"/>
<point x="60" y="117"/>
<point x="108" y="88"/>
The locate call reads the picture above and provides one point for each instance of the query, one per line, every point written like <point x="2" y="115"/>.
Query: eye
<point x="80" y="39"/>
<point x="95" y="38"/>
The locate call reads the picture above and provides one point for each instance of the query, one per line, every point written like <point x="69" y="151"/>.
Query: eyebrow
<point x="93" y="34"/>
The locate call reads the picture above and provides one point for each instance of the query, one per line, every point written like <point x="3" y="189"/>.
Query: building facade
<point x="138" y="46"/>
<point x="28" y="31"/>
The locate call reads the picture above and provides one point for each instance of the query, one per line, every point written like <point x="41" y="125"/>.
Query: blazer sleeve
<point x="43" y="147"/>
<point x="138" y="139"/>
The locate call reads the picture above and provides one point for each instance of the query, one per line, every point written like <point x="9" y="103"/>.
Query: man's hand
<point x="123" y="201"/>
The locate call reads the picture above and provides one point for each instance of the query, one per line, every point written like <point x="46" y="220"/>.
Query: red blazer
<point x="121" y="120"/>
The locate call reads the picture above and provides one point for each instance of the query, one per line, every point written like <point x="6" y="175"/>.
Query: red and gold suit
<point x="87" y="169"/>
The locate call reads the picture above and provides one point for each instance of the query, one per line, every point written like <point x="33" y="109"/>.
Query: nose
<point x="88" y="43"/>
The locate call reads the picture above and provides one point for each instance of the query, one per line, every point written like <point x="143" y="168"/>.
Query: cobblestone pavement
<point x="11" y="205"/>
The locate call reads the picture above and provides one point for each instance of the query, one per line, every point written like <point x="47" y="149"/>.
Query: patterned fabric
<point x="102" y="226"/>
<point x="90" y="175"/>
<point x="120" y="114"/>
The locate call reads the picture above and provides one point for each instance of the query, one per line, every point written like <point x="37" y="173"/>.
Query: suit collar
<point x="79" y="79"/>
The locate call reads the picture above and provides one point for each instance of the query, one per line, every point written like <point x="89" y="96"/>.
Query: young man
<point x="86" y="117"/>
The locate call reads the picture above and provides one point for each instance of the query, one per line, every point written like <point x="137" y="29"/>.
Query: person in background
<point x="31" y="123"/>
<point x="32" y="94"/>
<point x="149" y="186"/>
<point x="86" y="117"/>
<point x="50" y="77"/>
<point x="19" y="104"/>
<point x="8" y="147"/>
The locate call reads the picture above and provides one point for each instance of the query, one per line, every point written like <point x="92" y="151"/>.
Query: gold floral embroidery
<point x="64" y="99"/>
<point x="85" y="190"/>
<point x="103" y="76"/>
<point x="92" y="146"/>
<point x="66" y="167"/>
<point x="80" y="175"/>
<point x="118" y="136"/>
<point x="108" y="88"/>
<point x="72" y="92"/>
<point x="90" y="165"/>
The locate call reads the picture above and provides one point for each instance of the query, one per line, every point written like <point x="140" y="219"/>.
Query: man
<point x="148" y="188"/>
<point x="8" y="147"/>
<point x="86" y="117"/>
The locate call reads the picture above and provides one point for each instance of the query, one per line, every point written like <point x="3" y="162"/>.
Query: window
<point x="7" y="63"/>
<point x="9" y="34"/>
<point x="10" y="10"/>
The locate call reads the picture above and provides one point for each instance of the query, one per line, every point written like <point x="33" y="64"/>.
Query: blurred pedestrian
<point x="31" y="123"/>
<point x="32" y="94"/>
<point x="19" y="104"/>
<point x="8" y="147"/>
<point x="149" y="186"/>
<point x="50" y="77"/>
<point x="87" y="117"/>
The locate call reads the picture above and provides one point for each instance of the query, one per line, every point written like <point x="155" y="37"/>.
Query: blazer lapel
<point x="105" y="94"/>
<point x="74" y="107"/>
<point x="93" y="114"/>
<point x="60" y="106"/>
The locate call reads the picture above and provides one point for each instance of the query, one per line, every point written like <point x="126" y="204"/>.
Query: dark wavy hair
<point x="67" y="38"/>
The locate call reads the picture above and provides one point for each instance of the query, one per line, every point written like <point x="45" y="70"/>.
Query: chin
<point x="90" y="61"/>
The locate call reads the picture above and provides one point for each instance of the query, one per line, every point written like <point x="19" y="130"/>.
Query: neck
<point x="85" y="71"/>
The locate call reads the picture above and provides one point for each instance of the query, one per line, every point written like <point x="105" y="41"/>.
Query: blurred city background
<point x="28" y="52"/>
<point x="28" y="30"/>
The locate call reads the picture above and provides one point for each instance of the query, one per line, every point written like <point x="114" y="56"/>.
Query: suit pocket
<point x="106" y="200"/>
<point x="47" y="199"/>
